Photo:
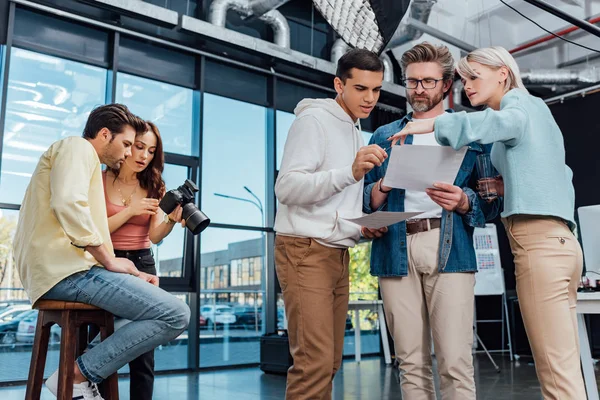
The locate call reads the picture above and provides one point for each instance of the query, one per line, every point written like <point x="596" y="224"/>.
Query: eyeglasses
<point x="427" y="83"/>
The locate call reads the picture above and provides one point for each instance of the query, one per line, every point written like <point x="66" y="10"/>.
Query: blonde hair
<point x="495" y="58"/>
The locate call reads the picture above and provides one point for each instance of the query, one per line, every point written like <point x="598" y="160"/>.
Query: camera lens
<point x="195" y="220"/>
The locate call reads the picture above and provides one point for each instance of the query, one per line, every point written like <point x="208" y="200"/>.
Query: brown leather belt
<point x="422" y="225"/>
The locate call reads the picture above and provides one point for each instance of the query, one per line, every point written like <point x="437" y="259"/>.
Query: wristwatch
<point x="168" y="220"/>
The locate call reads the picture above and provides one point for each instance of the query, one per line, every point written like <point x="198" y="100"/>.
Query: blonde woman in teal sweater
<point x="529" y="152"/>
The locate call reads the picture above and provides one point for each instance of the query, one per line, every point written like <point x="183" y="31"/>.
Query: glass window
<point x="363" y="286"/>
<point x="170" y="107"/>
<point x="231" y="299"/>
<point x="11" y="289"/>
<point x="48" y="99"/>
<point x="289" y="94"/>
<point x="57" y="35"/>
<point x="309" y="30"/>
<point x="233" y="161"/>
<point x="236" y="83"/>
<point x="188" y="7"/>
<point x="17" y="319"/>
<point x="169" y="252"/>
<point x="171" y="355"/>
<point x="167" y="65"/>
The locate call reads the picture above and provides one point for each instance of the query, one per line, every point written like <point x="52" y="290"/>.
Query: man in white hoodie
<point x="320" y="183"/>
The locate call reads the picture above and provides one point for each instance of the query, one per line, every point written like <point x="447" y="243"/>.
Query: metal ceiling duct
<point x="388" y="67"/>
<point x="260" y="7"/>
<point x="406" y="32"/>
<point x="560" y="77"/>
<point x="217" y="15"/>
<point x="338" y="49"/>
<point x="364" y="24"/>
<point x="457" y="90"/>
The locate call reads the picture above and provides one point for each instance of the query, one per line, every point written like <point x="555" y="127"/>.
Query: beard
<point x="425" y="102"/>
<point x="109" y="159"/>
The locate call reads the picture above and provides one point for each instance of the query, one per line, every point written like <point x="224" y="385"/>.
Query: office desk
<point x="587" y="303"/>
<point x="356" y="306"/>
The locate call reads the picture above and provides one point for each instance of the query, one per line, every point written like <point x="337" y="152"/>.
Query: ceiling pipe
<point x="261" y="7"/>
<point x="436" y="33"/>
<point x="579" y="60"/>
<point x="406" y="32"/>
<point x="280" y="26"/>
<point x="560" y="77"/>
<point x="217" y="15"/>
<point x="338" y="49"/>
<point x="585" y="25"/>
<point x="547" y="38"/>
<point x="457" y="89"/>
<point x="388" y="67"/>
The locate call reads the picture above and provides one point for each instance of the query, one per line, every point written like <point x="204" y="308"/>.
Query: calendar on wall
<point x="489" y="280"/>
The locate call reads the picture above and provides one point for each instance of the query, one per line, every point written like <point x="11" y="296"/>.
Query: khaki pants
<point x="314" y="281"/>
<point x="548" y="266"/>
<point x="424" y="304"/>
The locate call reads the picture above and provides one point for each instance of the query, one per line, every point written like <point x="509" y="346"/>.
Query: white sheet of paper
<point x="419" y="167"/>
<point x="380" y="219"/>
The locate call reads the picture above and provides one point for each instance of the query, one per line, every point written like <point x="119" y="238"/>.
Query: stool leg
<point x="38" y="358"/>
<point x="82" y="339"/>
<point x="111" y="384"/>
<point x="68" y="343"/>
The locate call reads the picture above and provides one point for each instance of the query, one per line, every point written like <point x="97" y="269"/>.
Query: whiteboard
<point x="489" y="280"/>
<point x="589" y="219"/>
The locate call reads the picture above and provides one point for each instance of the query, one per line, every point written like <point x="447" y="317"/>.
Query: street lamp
<point x="257" y="203"/>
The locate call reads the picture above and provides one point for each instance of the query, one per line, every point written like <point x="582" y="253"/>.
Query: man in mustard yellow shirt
<point x="63" y="251"/>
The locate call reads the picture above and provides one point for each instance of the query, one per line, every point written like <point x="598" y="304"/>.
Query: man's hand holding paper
<point x="449" y="197"/>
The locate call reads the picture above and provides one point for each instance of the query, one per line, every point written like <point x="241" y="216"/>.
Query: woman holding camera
<point x="136" y="222"/>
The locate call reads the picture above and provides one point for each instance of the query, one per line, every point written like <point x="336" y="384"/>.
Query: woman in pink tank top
<point x="135" y="222"/>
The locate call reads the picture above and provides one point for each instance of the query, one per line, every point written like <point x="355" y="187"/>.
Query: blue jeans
<point x="157" y="317"/>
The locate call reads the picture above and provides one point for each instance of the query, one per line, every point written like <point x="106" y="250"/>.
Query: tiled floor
<point x="368" y="380"/>
<point x="372" y="380"/>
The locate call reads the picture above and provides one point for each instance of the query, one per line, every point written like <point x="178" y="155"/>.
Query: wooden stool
<point x="74" y="319"/>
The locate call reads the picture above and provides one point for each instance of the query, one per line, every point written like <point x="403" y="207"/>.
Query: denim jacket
<point x="389" y="253"/>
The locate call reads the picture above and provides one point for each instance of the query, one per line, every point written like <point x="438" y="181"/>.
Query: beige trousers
<point x="315" y="286"/>
<point x="428" y="304"/>
<point x="548" y="266"/>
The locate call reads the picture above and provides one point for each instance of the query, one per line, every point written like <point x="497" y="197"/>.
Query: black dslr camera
<point x="195" y="220"/>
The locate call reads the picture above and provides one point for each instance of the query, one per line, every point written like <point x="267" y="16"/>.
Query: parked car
<point x="280" y="317"/>
<point x="9" y="321"/>
<point x="216" y="315"/>
<point x="4" y="305"/>
<point x="247" y="317"/>
<point x="26" y="329"/>
<point x="13" y="310"/>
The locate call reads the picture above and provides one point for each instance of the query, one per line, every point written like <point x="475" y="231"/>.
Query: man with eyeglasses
<point x="426" y="266"/>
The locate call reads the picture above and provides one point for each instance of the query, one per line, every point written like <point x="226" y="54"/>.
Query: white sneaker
<point x="81" y="391"/>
